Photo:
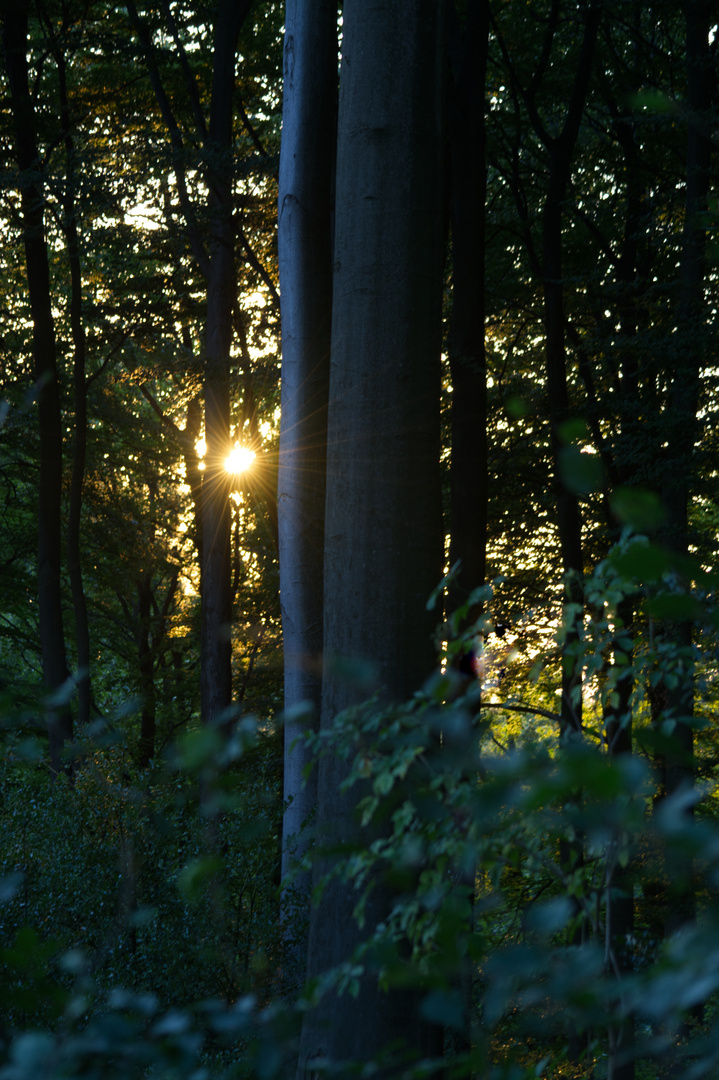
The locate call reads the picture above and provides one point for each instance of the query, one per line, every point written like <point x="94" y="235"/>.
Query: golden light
<point x="239" y="459"/>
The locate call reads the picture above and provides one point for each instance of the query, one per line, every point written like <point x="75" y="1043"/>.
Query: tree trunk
<point x="561" y="150"/>
<point x="309" y="123"/>
<point x="146" y="663"/>
<point x="620" y="887"/>
<point x="468" y="470"/>
<point x="681" y="431"/>
<point x="218" y="269"/>
<point x="216" y="648"/>
<point x="383" y="550"/>
<point x="468" y="49"/>
<point x="52" y="641"/>
<point x="79" y="455"/>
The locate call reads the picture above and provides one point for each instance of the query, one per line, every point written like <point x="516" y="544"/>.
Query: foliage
<point x="503" y="862"/>
<point x="109" y="881"/>
<point x="124" y="880"/>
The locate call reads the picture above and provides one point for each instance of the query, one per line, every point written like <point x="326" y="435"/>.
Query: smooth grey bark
<point x="307" y="158"/>
<point x="383" y="547"/>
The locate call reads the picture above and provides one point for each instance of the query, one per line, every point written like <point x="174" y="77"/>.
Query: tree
<point x="382" y="550"/>
<point x="217" y="263"/>
<point x="52" y="639"/>
<point x="305" y="264"/>
<point x="468" y="47"/>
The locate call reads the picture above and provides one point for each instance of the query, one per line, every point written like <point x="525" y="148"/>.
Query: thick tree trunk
<point x="383" y="520"/>
<point x="52" y="642"/>
<point x="309" y="122"/>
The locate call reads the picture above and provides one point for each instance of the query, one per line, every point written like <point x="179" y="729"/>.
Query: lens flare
<point x="239" y="459"/>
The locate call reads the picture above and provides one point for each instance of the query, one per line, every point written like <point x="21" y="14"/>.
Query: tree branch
<point x="190" y="81"/>
<point x="176" y="141"/>
<point x="255" y="263"/>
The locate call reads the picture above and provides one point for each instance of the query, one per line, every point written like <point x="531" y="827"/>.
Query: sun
<point x="239" y="459"/>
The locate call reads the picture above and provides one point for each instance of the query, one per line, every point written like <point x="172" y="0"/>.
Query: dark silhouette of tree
<point x="52" y="641"/>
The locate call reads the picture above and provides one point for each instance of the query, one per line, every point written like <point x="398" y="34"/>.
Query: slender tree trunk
<point x="218" y="268"/>
<point x="52" y="642"/>
<point x="146" y="662"/>
<point x="307" y="158"/>
<point x="620" y="906"/>
<point x="189" y="437"/>
<point x="74" y="562"/>
<point x="682" y="428"/>
<point x="620" y="889"/>
<point x="561" y="150"/>
<point x="216" y="677"/>
<point x="383" y="519"/>
<point x="468" y="471"/>
<point x="468" y="49"/>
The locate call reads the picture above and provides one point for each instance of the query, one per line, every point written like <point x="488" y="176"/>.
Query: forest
<point x="359" y="501"/>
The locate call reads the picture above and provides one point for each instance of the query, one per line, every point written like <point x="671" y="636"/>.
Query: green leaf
<point x="581" y="473"/>
<point x="444" y="1007"/>
<point x="645" y="562"/>
<point x="676" y="606"/>
<point x="446" y="580"/>
<point x="640" y="509"/>
<point x="550" y="916"/>
<point x="10" y="885"/>
<point x="199" y="747"/>
<point x="383" y="783"/>
<point x="194" y="878"/>
<point x="653" y="101"/>
<point x="517" y="407"/>
<point x="573" y="429"/>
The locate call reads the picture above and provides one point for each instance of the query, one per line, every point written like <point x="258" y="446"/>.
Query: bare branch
<point x="255" y="263"/>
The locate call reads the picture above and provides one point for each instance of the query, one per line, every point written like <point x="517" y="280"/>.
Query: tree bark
<point x="468" y="369"/>
<point x="561" y="150"/>
<point x="79" y="455"/>
<point x="681" y="432"/>
<point x="218" y="268"/>
<point x="383" y="548"/>
<point x="52" y="641"/>
<point x="620" y="887"/>
<point x="216" y="646"/>
<point x="309" y="122"/>
<point x="146" y="664"/>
